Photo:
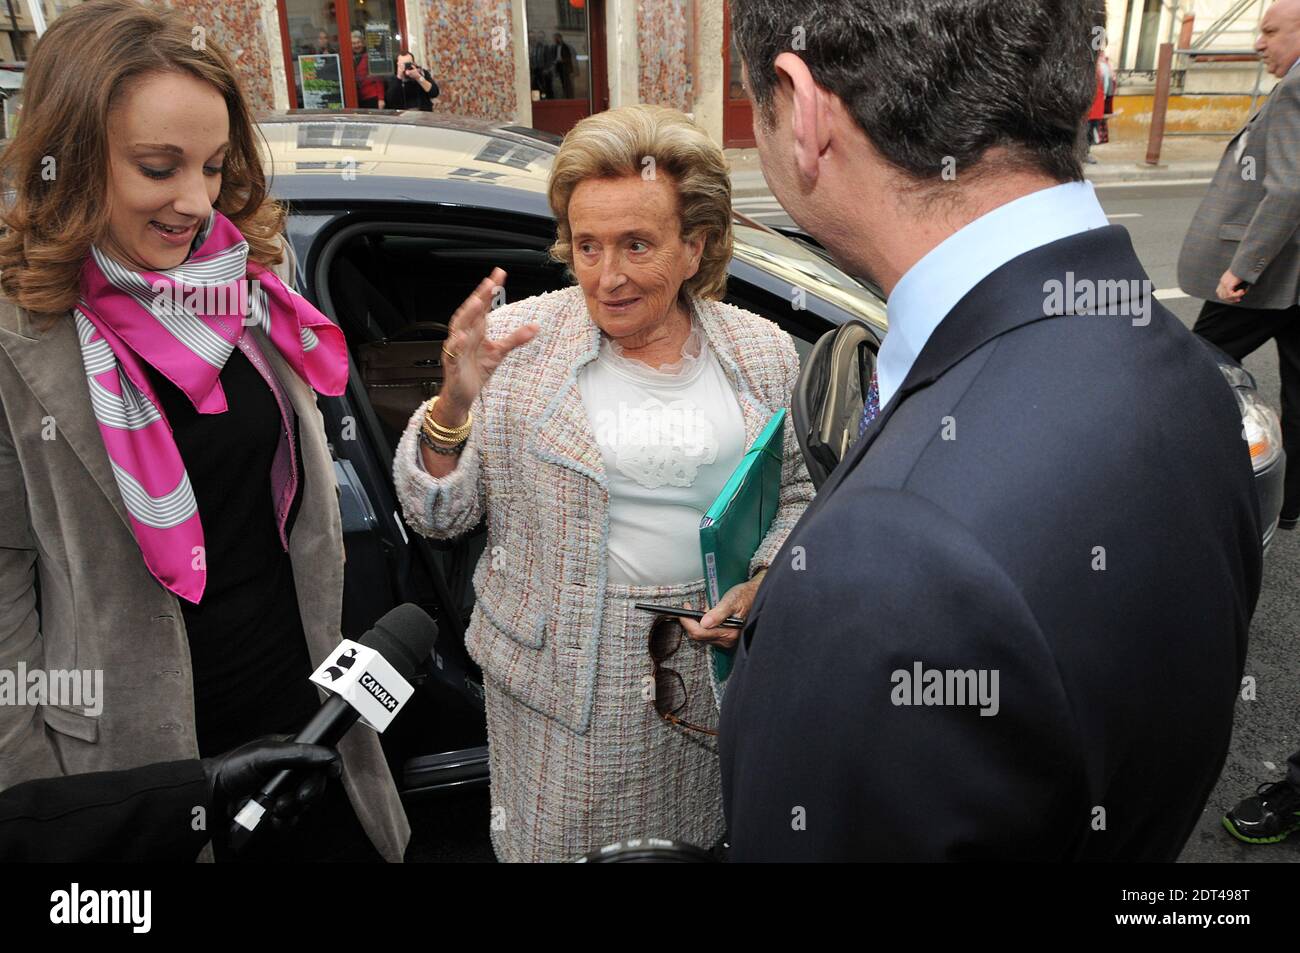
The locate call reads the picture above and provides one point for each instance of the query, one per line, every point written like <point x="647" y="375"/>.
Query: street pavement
<point x="1156" y="211"/>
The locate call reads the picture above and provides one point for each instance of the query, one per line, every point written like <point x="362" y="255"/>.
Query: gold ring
<point x="451" y="354"/>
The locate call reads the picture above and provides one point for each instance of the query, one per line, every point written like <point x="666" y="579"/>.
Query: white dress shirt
<point x="931" y="288"/>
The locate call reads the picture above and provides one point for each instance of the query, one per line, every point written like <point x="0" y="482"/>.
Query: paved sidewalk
<point x="1180" y="158"/>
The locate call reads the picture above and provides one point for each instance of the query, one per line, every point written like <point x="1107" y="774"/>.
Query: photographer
<point x="411" y="88"/>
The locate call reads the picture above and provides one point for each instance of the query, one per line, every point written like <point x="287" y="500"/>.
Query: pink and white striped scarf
<point x="126" y="319"/>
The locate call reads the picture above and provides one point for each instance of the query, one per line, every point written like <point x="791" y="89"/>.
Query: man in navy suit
<point x="1013" y="622"/>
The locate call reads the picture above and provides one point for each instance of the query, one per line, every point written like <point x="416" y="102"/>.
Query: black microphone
<point x="403" y="638"/>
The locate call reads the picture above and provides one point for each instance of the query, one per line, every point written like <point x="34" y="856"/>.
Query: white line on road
<point x="1170" y="294"/>
<point x="1149" y="183"/>
<point x="1125" y="215"/>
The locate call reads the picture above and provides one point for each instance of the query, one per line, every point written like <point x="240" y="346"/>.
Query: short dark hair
<point x="938" y="82"/>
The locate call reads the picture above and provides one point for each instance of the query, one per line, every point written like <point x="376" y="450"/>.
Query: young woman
<point x="168" y="515"/>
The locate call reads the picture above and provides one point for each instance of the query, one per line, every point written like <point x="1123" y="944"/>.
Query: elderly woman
<point x="593" y="427"/>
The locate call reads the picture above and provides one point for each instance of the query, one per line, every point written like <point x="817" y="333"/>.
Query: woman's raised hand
<point x="469" y="355"/>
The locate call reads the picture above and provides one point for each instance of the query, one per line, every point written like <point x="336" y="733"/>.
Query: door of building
<point x="327" y="75"/>
<point x="737" y="113"/>
<point x="567" y="64"/>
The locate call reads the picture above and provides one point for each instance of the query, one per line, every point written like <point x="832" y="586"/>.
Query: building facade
<point x="1212" y="94"/>
<point x="540" y="63"/>
<point x="548" y="63"/>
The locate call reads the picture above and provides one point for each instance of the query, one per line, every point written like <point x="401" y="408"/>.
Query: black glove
<point x="237" y="775"/>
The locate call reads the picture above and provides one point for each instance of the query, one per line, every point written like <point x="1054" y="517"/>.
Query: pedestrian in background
<point x="369" y="88"/>
<point x="1241" y="254"/>
<point x="1108" y="85"/>
<point x="1096" y="117"/>
<point x="541" y="63"/>
<point x="563" y="58"/>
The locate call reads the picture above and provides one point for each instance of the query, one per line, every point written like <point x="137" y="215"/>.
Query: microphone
<point x="368" y="680"/>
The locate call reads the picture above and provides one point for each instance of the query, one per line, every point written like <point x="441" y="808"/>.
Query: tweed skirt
<point x="557" y="795"/>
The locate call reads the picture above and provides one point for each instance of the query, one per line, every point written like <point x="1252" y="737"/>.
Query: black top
<point x="247" y="646"/>
<point x="408" y="94"/>
<point x="141" y="815"/>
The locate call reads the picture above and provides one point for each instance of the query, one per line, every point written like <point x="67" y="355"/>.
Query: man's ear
<point x="809" y="116"/>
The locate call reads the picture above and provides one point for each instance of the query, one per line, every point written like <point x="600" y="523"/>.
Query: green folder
<point x="734" y="526"/>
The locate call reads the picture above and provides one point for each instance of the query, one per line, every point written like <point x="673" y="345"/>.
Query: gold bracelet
<point x="441" y="435"/>
<point x="435" y="429"/>
<point x="450" y="435"/>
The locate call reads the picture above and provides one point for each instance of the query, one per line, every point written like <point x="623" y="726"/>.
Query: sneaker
<point x="1267" y="818"/>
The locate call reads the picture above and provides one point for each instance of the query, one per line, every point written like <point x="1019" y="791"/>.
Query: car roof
<point x="430" y="148"/>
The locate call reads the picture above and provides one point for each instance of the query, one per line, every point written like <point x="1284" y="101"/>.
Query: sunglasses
<point x="666" y="634"/>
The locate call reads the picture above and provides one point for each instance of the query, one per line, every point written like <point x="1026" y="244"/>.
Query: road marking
<point x="1149" y="183"/>
<point x="1125" y="215"/>
<point x="1170" y="294"/>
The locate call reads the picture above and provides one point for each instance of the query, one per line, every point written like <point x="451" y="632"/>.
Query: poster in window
<point x="322" y="87"/>
<point x="379" y="49"/>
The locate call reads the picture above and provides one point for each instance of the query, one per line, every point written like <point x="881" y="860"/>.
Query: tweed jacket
<point x="63" y="527"/>
<point x="533" y="467"/>
<point x="1247" y="221"/>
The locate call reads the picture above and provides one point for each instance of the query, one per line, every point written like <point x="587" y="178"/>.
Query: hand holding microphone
<point x="369" y="679"/>
<point x="236" y="775"/>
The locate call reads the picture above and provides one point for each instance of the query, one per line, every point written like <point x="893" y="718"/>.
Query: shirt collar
<point x="934" y="285"/>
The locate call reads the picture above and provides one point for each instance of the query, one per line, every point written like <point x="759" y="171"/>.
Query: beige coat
<point x="533" y="467"/>
<point x="63" y="524"/>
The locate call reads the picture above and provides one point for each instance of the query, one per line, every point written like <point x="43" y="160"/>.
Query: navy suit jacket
<point x="1065" y="501"/>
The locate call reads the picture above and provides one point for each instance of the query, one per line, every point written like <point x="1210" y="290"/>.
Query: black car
<point x="394" y="219"/>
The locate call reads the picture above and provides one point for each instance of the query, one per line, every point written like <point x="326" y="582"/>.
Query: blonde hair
<point x="618" y="143"/>
<point x="49" y="226"/>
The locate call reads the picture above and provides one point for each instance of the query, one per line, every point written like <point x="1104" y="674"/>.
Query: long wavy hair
<point x="49" y="222"/>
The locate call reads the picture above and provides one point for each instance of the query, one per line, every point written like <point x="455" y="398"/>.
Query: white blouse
<point x="670" y="438"/>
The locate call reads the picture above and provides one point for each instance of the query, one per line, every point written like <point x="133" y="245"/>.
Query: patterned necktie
<point x="872" y="407"/>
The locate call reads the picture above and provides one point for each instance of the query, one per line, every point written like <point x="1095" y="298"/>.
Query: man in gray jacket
<point x="1241" y="253"/>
